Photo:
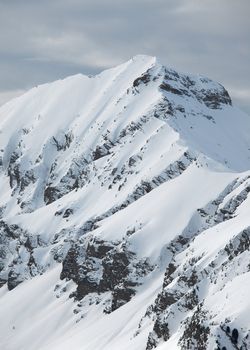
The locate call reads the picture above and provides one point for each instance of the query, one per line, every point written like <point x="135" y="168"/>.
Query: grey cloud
<point x="47" y="40"/>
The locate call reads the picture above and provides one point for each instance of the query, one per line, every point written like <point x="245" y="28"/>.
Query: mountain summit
<point x="124" y="213"/>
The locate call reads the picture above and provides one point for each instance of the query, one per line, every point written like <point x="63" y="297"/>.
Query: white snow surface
<point x="51" y="132"/>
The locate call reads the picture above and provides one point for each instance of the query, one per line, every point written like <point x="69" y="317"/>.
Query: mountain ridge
<point x="113" y="188"/>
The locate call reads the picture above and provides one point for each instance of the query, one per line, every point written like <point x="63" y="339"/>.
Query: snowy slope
<point x="124" y="213"/>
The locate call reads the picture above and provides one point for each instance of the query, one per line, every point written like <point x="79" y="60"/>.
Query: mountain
<point x="124" y="214"/>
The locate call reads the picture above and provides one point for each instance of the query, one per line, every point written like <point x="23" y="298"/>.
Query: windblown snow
<point x="124" y="214"/>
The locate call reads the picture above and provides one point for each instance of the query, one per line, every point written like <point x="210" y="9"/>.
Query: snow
<point x="147" y="143"/>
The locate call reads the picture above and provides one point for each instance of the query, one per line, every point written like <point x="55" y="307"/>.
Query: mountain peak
<point x="124" y="205"/>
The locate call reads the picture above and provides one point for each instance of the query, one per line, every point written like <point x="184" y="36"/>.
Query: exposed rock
<point x="195" y="335"/>
<point x="101" y="267"/>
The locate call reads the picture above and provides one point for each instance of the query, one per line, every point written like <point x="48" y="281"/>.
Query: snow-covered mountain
<point x="124" y="214"/>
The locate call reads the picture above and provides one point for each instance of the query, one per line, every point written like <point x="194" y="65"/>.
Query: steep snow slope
<point x="124" y="213"/>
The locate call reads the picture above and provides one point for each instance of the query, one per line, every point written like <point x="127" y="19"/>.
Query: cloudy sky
<point x="41" y="41"/>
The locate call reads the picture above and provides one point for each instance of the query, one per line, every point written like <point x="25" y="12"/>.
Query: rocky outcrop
<point x="17" y="255"/>
<point x="100" y="267"/>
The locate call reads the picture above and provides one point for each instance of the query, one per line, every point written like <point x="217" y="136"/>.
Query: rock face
<point x="104" y="267"/>
<point x="124" y="208"/>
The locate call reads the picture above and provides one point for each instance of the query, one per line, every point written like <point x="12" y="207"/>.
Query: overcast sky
<point x="41" y="41"/>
